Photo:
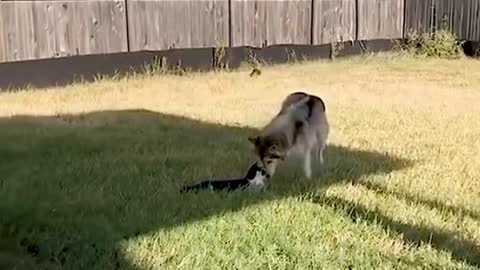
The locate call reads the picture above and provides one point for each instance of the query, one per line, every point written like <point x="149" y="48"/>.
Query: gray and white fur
<point x="299" y="129"/>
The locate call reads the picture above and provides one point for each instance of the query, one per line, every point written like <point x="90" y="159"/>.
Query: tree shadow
<point x="74" y="186"/>
<point x="460" y="248"/>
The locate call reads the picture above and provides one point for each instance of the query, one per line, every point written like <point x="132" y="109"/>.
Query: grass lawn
<point x="89" y="174"/>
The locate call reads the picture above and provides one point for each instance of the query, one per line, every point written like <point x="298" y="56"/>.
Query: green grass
<point x="90" y="174"/>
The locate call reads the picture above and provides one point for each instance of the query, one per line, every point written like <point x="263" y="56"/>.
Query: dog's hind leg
<point x="321" y="144"/>
<point x="319" y="152"/>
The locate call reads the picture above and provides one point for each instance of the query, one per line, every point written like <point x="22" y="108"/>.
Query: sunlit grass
<point x="90" y="173"/>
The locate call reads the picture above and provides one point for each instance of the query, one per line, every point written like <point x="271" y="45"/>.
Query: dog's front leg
<point x="308" y="164"/>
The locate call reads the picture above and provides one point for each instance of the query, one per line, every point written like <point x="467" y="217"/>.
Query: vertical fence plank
<point x="444" y="14"/>
<point x="289" y="22"/>
<point x="60" y="28"/>
<point x="474" y="23"/>
<point x="418" y="16"/>
<point x="248" y="23"/>
<point x="380" y="19"/>
<point x="459" y="17"/>
<point x="462" y="18"/>
<point x="466" y="16"/>
<point x="259" y="23"/>
<point x="334" y="21"/>
<point x="169" y="24"/>
<point x="14" y="35"/>
<point x="49" y="29"/>
<point x="2" y="38"/>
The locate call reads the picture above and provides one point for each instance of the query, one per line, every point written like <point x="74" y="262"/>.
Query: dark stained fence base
<point x="63" y="71"/>
<point x="284" y="54"/>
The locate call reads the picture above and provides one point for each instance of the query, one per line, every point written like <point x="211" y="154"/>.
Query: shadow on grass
<point x="436" y="204"/>
<point x="461" y="249"/>
<point x="74" y="186"/>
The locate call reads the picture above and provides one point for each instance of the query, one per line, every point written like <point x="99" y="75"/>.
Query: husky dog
<point x="300" y="127"/>
<point x="253" y="180"/>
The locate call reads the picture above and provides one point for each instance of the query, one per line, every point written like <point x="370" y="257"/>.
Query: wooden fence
<point x="60" y="28"/>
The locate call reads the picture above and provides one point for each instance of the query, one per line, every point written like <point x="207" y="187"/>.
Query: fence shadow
<point x="432" y="203"/>
<point x="460" y="248"/>
<point x="74" y="186"/>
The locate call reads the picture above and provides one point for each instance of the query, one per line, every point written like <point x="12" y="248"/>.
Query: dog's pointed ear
<point x="254" y="139"/>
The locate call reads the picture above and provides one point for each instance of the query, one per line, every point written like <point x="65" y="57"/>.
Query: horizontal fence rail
<point x="44" y="29"/>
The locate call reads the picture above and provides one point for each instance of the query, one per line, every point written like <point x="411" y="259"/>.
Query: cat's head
<point x="256" y="171"/>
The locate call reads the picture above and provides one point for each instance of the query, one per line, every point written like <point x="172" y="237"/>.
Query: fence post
<point x="312" y="21"/>
<point x="230" y="23"/>
<point x="125" y="3"/>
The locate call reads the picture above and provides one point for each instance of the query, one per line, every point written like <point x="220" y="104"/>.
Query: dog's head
<point x="269" y="152"/>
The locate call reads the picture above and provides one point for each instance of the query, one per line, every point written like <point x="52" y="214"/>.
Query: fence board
<point x="289" y="22"/>
<point x="466" y="19"/>
<point x="2" y="39"/>
<point x="418" y="16"/>
<point x="249" y="24"/>
<point x="259" y="23"/>
<point x="49" y="29"/>
<point x="380" y="19"/>
<point x="168" y="24"/>
<point x="42" y="0"/>
<point x="445" y="12"/>
<point x="474" y="26"/>
<point x="334" y="21"/>
<point x="462" y="18"/>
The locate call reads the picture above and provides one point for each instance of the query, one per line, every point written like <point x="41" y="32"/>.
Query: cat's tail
<point x="185" y="189"/>
<point x="189" y="188"/>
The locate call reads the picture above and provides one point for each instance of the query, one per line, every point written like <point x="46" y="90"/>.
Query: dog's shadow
<point x="341" y="164"/>
<point x="123" y="170"/>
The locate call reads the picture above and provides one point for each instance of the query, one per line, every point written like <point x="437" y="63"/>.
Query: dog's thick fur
<point x="300" y="127"/>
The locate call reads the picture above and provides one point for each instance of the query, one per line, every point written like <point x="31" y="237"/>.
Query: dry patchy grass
<point x="90" y="173"/>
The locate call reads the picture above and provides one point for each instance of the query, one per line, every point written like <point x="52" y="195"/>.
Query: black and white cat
<point x="253" y="180"/>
